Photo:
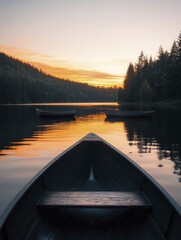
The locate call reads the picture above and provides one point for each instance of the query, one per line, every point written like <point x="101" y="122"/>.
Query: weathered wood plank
<point x="94" y="199"/>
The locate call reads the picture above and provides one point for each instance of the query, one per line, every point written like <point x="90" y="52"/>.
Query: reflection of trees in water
<point x="21" y="122"/>
<point x="167" y="132"/>
<point x="17" y="123"/>
<point x="143" y="146"/>
<point x="162" y="133"/>
<point x="139" y="134"/>
<point x="169" y="151"/>
<point x="172" y="152"/>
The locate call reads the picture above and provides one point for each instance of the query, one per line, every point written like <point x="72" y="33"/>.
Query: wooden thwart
<point x="94" y="199"/>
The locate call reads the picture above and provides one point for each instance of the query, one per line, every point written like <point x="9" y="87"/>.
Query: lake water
<point x="28" y="143"/>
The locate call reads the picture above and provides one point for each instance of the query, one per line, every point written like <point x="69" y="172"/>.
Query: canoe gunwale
<point x="23" y="191"/>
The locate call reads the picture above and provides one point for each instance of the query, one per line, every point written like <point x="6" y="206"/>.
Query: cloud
<point x="80" y="75"/>
<point x="63" y="68"/>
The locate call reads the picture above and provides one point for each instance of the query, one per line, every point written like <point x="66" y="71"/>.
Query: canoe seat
<point x="93" y="207"/>
<point x="94" y="200"/>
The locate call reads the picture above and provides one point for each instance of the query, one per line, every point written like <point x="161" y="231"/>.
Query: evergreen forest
<point x="154" y="80"/>
<point x="22" y="83"/>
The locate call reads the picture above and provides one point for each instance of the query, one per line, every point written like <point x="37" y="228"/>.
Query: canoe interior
<point x="92" y="166"/>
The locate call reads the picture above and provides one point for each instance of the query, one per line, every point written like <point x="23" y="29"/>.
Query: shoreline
<point x="151" y="104"/>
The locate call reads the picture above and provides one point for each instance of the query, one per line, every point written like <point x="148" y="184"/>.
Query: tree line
<point x="22" y="83"/>
<point x="155" y="80"/>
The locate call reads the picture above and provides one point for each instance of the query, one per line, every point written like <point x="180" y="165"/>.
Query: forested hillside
<point x="22" y="83"/>
<point x="154" y="80"/>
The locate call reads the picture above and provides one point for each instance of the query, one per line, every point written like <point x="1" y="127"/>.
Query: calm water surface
<point x="28" y="143"/>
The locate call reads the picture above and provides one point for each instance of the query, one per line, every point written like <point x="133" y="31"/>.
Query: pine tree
<point x="174" y="53"/>
<point x="160" y="74"/>
<point x="141" y="62"/>
<point x="179" y="67"/>
<point x="179" y="46"/>
<point x="174" y="72"/>
<point x="156" y="80"/>
<point x="145" y="92"/>
<point x="129" y="79"/>
<point x="129" y="83"/>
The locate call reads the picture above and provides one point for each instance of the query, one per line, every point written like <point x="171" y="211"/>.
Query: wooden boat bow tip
<point x="92" y="137"/>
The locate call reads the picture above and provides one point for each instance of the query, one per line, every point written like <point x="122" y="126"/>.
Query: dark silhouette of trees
<point x="154" y="80"/>
<point x="22" y="83"/>
<point x="129" y="83"/>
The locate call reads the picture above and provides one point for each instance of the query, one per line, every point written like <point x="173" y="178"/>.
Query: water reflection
<point x="27" y="143"/>
<point x="19" y="123"/>
<point x="161" y="133"/>
<point x="16" y="124"/>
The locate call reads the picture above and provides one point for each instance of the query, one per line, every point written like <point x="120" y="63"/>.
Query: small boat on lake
<point x="128" y="114"/>
<point x="92" y="191"/>
<point x="47" y="113"/>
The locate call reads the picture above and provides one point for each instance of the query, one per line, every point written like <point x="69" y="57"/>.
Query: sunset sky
<point x="87" y="41"/>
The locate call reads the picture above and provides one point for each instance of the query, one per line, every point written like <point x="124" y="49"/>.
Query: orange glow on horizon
<point x="64" y="70"/>
<point x="82" y="76"/>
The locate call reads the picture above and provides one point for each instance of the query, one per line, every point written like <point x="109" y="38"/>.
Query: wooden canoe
<point x="92" y="191"/>
<point x="46" y="113"/>
<point x="128" y="114"/>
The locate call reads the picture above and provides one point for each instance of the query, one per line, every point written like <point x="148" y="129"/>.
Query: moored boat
<point x="46" y="113"/>
<point x="92" y="191"/>
<point x="120" y="114"/>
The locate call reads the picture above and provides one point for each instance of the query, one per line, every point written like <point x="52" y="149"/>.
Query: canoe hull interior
<point x="90" y="166"/>
<point x="89" y="216"/>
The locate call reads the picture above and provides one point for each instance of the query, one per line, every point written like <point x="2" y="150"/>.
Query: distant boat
<point x="120" y="114"/>
<point x="92" y="191"/>
<point x="46" y="113"/>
